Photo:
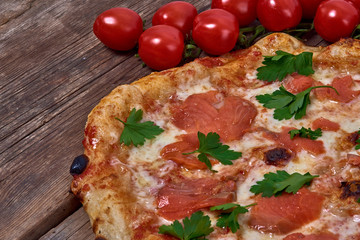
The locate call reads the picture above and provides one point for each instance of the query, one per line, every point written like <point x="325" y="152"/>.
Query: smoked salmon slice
<point x="285" y="213"/>
<point x="297" y="83"/>
<point x="228" y="116"/>
<point x="296" y="144"/>
<point x="178" y="200"/>
<point x="325" y="125"/>
<point x="343" y="85"/>
<point x="318" y="236"/>
<point x="188" y="143"/>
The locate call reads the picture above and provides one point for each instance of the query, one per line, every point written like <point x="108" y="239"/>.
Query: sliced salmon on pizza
<point x="325" y="124"/>
<point x="343" y="85"/>
<point x="286" y="213"/>
<point x="316" y="236"/>
<point x="229" y="116"/>
<point x="297" y="83"/>
<point x="296" y="144"/>
<point x="179" y="200"/>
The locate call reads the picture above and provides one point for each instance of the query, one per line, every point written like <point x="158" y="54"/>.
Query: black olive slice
<point x="79" y="164"/>
<point x="350" y="189"/>
<point x="277" y="156"/>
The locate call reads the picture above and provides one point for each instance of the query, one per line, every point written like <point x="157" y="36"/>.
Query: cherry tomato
<point x="244" y="10"/>
<point x="278" y="15"/>
<point x="118" y="28"/>
<point x="335" y="19"/>
<point x="309" y="8"/>
<point x="161" y="47"/>
<point x="356" y="3"/>
<point x="215" y="31"/>
<point x="177" y="14"/>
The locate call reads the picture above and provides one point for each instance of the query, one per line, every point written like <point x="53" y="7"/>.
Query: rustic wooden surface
<point x="53" y="71"/>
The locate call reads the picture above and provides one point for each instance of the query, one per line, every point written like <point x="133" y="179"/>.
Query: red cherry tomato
<point x="215" y="31"/>
<point x="118" y="28"/>
<point x="177" y="14"/>
<point x="356" y="3"/>
<point x="309" y="8"/>
<point x="161" y="47"/>
<point x="335" y="19"/>
<point x="244" y="10"/>
<point x="278" y="15"/>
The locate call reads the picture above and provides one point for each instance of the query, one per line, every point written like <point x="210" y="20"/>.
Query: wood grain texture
<point x="76" y="226"/>
<point x="53" y="71"/>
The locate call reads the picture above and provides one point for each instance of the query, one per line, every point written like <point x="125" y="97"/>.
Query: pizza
<point x="260" y="143"/>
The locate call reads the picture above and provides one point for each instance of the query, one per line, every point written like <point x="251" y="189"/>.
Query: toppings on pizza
<point x="279" y="66"/>
<point x="274" y="184"/>
<point x="230" y="218"/>
<point x="286" y="104"/>
<point x="306" y="133"/>
<point x="228" y="116"/>
<point x="325" y="124"/>
<point x="317" y="236"/>
<point x="277" y="156"/>
<point x="79" y="164"/>
<point x="357" y="146"/>
<point x="135" y="132"/>
<point x="353" y="159"/>
<point x="197" y="227"/>
<point x="350" y="189"/>
<point x="296" y="83"/>
<point x="343" y="85"/>
<point x="210" y="145"/>
<point x="287" y="212"/>
<point x="181" y="199"/>
<point x="296" y="144"/>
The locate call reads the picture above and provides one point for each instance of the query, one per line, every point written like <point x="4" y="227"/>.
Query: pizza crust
<point x="106" y="187"/>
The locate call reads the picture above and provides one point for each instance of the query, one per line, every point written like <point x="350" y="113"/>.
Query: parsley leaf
<point x="306" y="133"/>
<point x="197" y="227"/>
<point x="357" y="146"/>
<point x="283" y="63"/>
<point x="358" y="200"/>
<point x="211" y="145"/>
<point x="136" y="132"/>
<point x="230" y="219"/>
<point x="276" y="183"/>
<point x="286" y="104"/>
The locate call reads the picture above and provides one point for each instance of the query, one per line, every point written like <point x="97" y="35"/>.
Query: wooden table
<point x="53" y="71"/>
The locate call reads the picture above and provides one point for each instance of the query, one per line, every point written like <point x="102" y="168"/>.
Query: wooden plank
<point x="53" y="72"/>
<point x="77" y="227"/>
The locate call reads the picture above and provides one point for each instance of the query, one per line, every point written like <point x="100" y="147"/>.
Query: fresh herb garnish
<point x="287" y="104"/>
<point x="279" y="66"/>
<point x="197" y="227"/>
<point x="306" y="133"/>
<point x="277" y="183"/>
<point x="136" y="132"/>
<point x="357" y="146"/>
<point x="211" y="145"/>
<point x="230" y="219"/>
<point x="358" y="200"/>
